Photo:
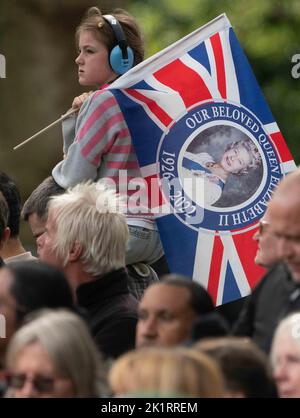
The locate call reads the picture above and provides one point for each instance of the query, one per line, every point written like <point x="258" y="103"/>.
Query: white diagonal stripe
<point x="149" y="170"/>
<point x="222" y="277"/>
<point x="167" y="98"/>
<point x="271" y="128"/>
<point x="147" y="110"/>
<point x="203" y="256"/>
<point x="288" y="166"/>
<point x="232" y="88"/>
<point x="212" y="62"/>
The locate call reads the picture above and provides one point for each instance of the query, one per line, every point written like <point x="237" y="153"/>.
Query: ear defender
<point x="121" y="56"/>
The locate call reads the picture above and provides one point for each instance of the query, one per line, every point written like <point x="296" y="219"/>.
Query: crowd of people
<point x="74" y="327"/>
<point x="93" y="311"/>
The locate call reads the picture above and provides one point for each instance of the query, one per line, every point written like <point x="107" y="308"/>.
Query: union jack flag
<point x="204" y="68"/>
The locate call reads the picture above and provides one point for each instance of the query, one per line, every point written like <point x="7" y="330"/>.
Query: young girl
<point x="97" y="143"/>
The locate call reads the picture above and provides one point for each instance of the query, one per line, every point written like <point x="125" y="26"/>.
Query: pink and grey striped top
<point x="98" y="145"/>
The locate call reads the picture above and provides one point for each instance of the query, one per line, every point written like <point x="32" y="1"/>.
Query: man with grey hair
<point x="86" y="234"/>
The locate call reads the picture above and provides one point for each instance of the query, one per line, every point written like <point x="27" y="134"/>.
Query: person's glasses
<point x="262" y="225"/>
<point x="41" y="384"/>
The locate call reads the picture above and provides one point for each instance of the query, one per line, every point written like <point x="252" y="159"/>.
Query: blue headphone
<point x="121" y="56"/>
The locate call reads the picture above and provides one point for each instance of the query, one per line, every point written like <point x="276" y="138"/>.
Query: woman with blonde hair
<point x="53" y="356"/>
<point x="165" y="372"/>
<point x="97" y="142"/>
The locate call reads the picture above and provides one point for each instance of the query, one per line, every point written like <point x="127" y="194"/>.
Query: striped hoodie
<point x="97" y="145"/>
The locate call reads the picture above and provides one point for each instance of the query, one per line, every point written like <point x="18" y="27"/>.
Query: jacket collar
<point x="103" y="287"/>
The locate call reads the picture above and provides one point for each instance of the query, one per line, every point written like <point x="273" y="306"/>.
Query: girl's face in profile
<point x="236" y="159"/>
<point x="93" y="61"/>
<point x="33" y="375"/>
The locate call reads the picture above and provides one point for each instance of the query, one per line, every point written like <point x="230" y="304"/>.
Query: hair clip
<point x="100" y="24"/>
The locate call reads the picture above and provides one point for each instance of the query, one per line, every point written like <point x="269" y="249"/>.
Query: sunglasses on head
<point x="41" y="384"/>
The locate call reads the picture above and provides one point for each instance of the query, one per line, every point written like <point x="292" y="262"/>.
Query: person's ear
<point x="6" y="235"/>
<point x="75" y="251"/>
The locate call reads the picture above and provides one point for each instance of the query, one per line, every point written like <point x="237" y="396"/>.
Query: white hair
<point x="67" y="341"/>
<point x="91" y="214"/>
<point x="289" y="325"/>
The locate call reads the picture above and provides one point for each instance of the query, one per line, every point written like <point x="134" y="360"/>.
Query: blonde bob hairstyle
<point x="165" y="372"/>
<point x="67" y="341"/>
<point x="289" y="326"/>
<point x="90" y="214"/>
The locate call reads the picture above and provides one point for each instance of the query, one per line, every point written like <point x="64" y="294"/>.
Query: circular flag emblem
<point x="218" y="167"/>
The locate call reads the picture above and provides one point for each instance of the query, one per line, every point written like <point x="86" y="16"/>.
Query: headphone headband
<point x="121" y="56"/>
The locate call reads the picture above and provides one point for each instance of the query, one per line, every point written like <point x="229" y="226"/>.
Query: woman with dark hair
<point x="246" y="370"/>
<point x="26" y="286"/>
<point x="54" y="356"/>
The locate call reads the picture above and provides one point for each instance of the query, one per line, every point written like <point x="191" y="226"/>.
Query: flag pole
<point x="67" y="114"/>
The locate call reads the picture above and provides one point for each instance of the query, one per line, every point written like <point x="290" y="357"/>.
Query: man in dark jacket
<point x="278" y="293"/>
<point x="86" y="235"/>
<point x="271" y="300"/>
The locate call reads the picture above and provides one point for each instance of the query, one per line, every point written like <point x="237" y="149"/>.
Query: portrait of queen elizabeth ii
<point x="238" y="158"/>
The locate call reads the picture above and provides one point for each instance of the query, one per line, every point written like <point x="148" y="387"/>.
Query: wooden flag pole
<point x="67" y="114"/>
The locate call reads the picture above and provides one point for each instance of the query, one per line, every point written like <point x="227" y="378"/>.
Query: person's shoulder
<point x="99" y="100"/>
<point x="279" y="271"/>
<point x="140" y="276"/>
<point x="277" y="274"/>
<point x="101" y="95"/>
